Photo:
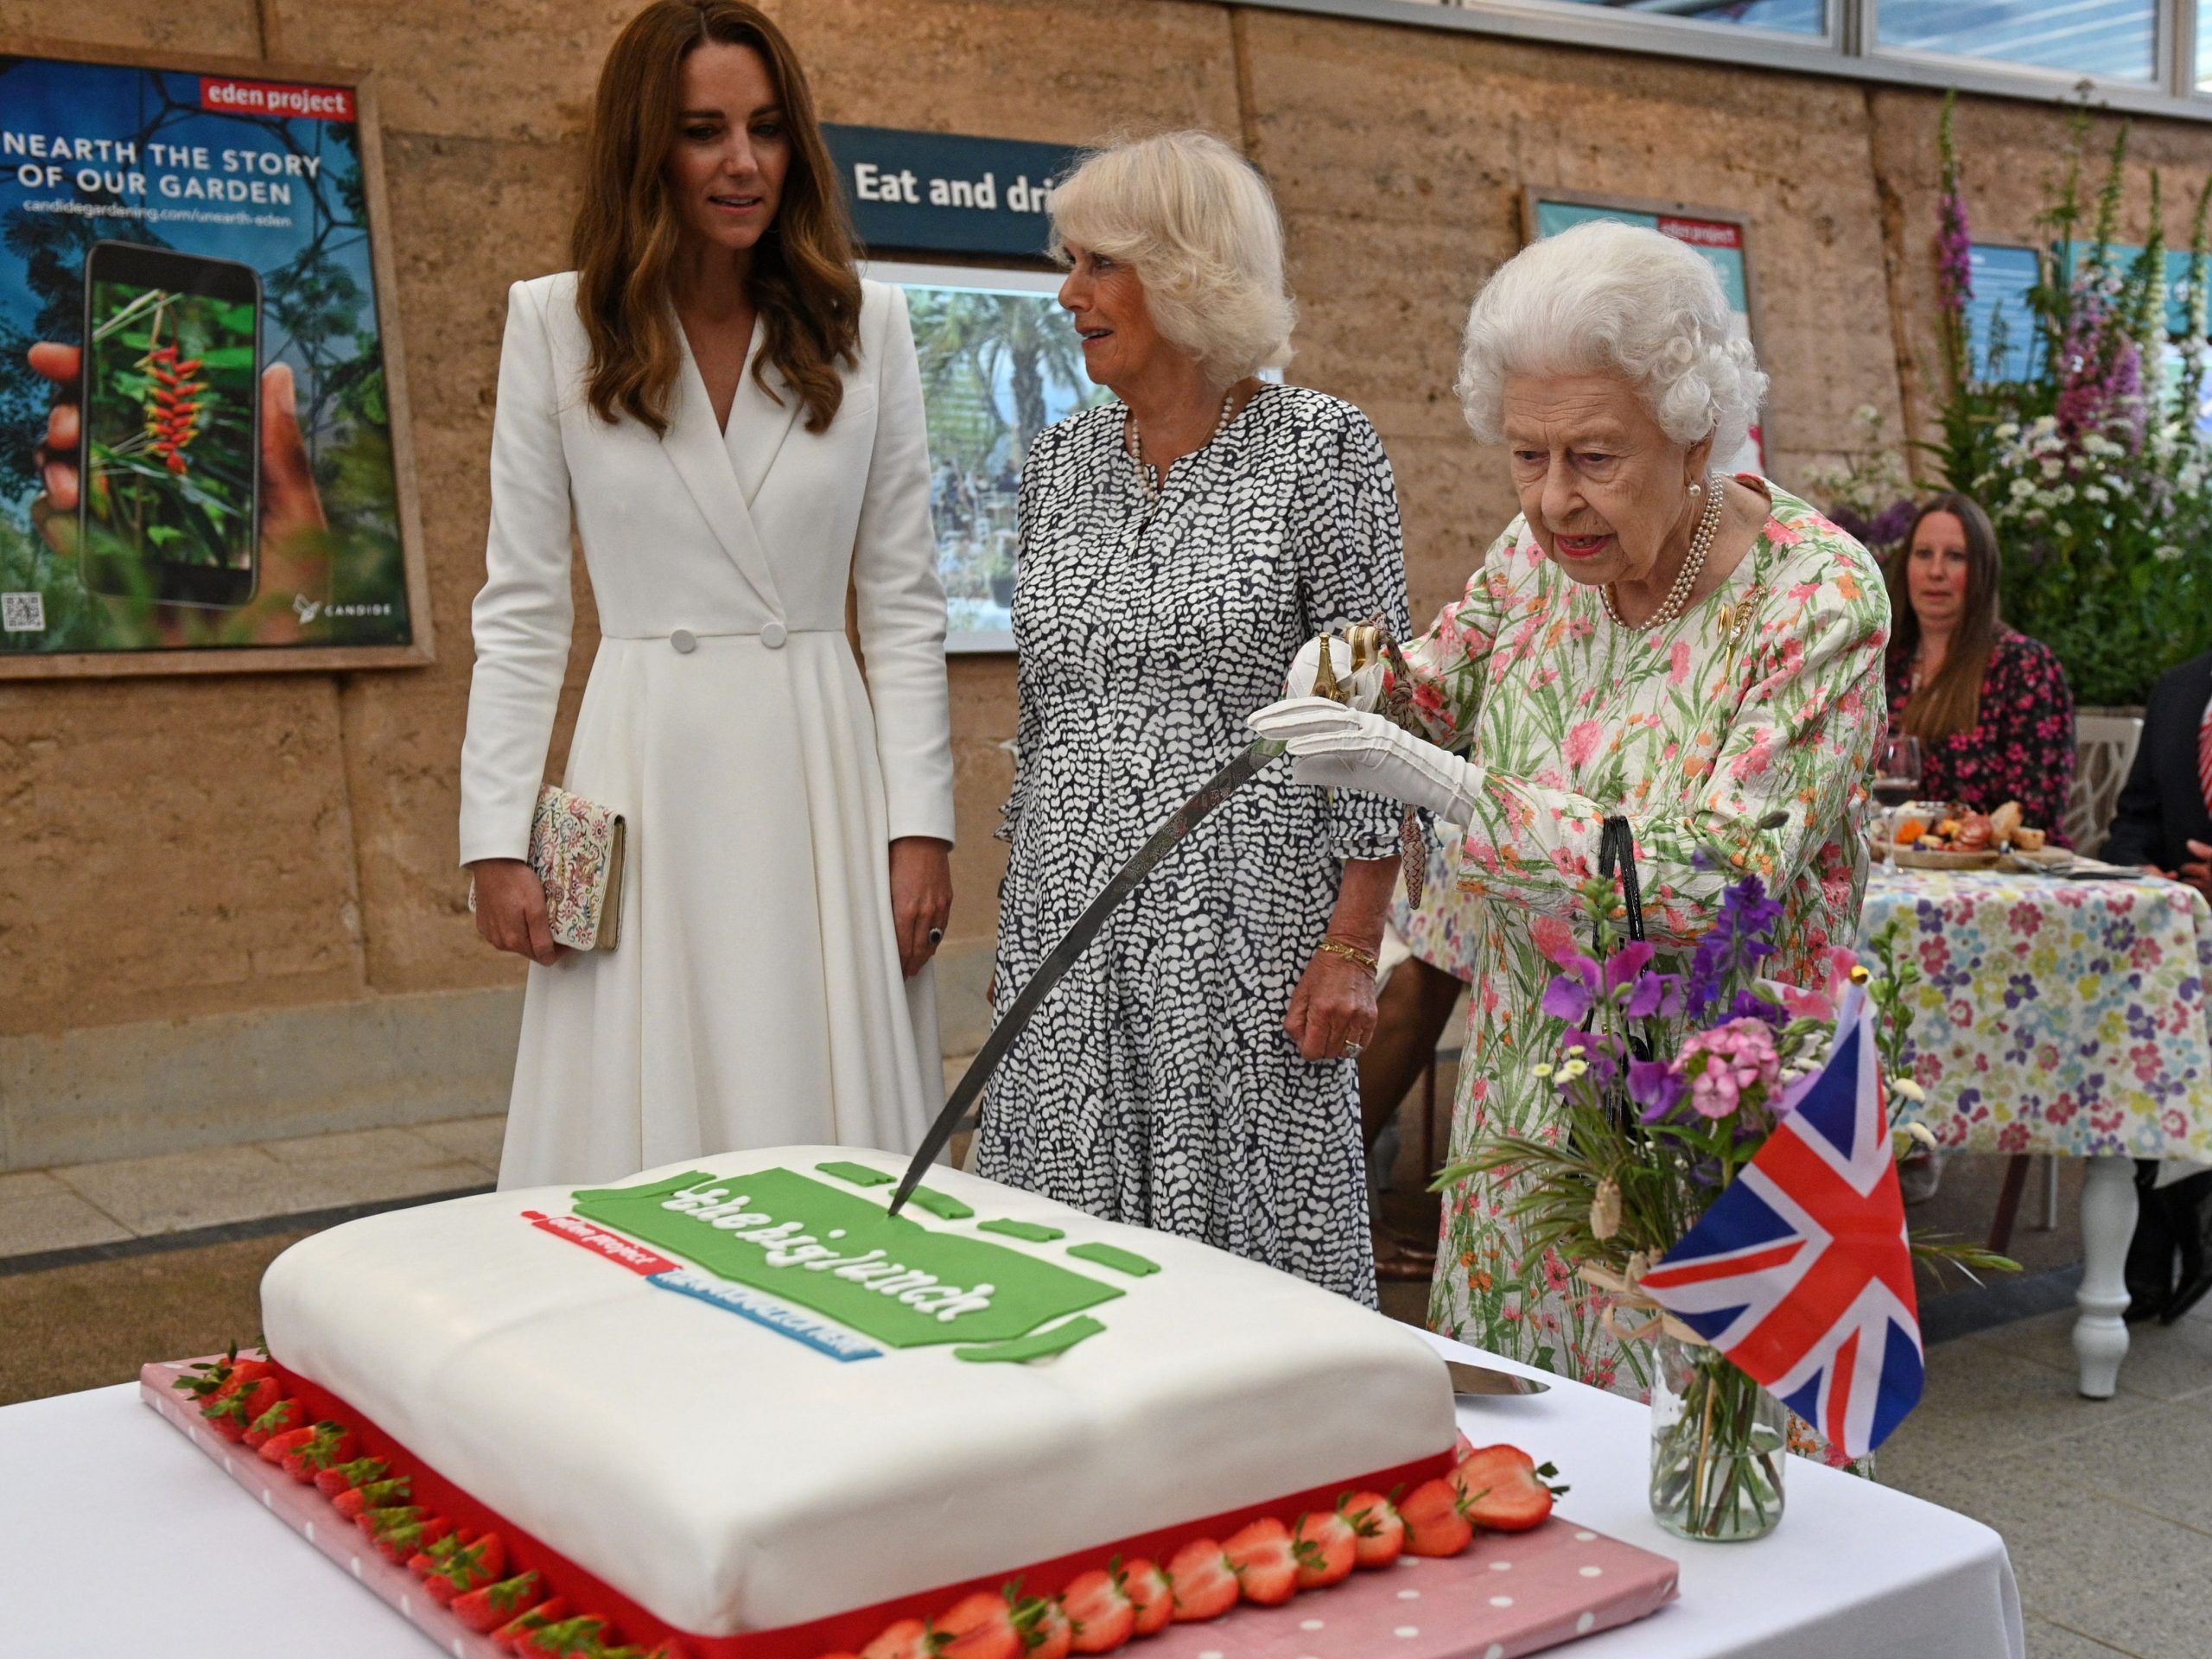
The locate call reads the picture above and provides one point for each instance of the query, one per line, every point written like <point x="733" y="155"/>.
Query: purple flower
<point x="1600" y="1052"/>
<point x="1656" y="1087"/>
<point x="1571" y="996"/>
<point x="1755" y="1004"/>
<point x="1891" y="524"/>
<point x="1654" y="994"/>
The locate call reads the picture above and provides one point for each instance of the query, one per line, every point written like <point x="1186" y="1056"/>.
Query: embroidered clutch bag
<point x="576" y="847"/>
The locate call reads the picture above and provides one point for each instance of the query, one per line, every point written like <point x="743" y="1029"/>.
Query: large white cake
<point x="836" y="1412"/>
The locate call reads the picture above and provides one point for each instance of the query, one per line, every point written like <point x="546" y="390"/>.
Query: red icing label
<point x="615" y="1248"/>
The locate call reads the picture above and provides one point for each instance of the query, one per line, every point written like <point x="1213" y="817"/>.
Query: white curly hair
<point x="1608" y="295"/>
<point x="1199" y="227"/>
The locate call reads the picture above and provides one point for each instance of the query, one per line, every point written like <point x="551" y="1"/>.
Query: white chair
<point x="2104" y="748"/>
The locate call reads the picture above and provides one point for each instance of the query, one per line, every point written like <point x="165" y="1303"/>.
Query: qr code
<point x="23" y="613"/>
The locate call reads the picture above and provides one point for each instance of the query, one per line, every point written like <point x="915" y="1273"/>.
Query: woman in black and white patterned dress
<point x="1194" y="1072"/>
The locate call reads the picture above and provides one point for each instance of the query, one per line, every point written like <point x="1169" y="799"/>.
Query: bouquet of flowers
<point x="1670" y="1084"/>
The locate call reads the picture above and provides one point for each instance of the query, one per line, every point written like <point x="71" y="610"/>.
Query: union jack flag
<point x="1800" y="1272"/>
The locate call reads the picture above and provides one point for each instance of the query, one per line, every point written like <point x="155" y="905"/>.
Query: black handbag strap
<point x="1617" y="848"/>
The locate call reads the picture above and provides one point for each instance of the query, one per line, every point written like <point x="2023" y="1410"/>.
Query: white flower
<point x="2022" y="488"/>
<point x="2094" y="493"/>
<point x="2167" y="552"/>
<point x="1906" y="1089"/>
<point x="2044" y="425"/>
<point x="1922" y="1133"/>
<point x="2007" y="430"/>
<point x="2047" y="499"/>
<point x="2054" y="468"/>
<point x="2062" y="495"/>
<point x="2034" y="516"/>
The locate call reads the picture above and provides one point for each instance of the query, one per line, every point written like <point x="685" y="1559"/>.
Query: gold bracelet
<point x="1335" y="947"/>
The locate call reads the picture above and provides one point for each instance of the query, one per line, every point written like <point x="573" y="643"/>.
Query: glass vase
<point x="1719" y="1442"/>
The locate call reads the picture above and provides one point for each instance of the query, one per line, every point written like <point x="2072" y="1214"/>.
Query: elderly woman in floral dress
<point x="1699" y="655"/>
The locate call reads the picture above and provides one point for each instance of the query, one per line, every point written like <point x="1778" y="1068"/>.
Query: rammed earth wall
<point x="228" y="907"/>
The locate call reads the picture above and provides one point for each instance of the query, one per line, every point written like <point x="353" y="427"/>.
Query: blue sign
<point x="946" y="192"/>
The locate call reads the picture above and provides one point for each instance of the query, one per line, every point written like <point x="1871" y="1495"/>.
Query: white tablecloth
<point x="118" y="1538"/>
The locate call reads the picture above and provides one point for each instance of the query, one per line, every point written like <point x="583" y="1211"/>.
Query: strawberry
<point x="508" y="1636"/>
<point x="486" y="1608"/>
<point x="455" y="1565"/>
<point x="331" y="1444"/>
<point x="1436" y="1520"/>
<point x="343" y="1477"/>
<point x="1381" y="1530"/>
<point x="231" y="1411"/>
<point x="213" y="1378"/>
<point x="1098" y="1607"/>
<point x="1505" y="1489"/>
<point x="908" y="1639"/>
<point x="1150" y="1593"/>
<point x="275" y="1448"/>
<point x="388" y="1516"/>
<point x="274" y="1419"/>
<point x="1265" y="1566"/>
<point x="376" y="1495"/>
<point x="566" y="1638"/>
<point x="980" y="1626"/>
<point x="1204" y="1580"/>
<point x="1326" y="1547"/>
<point x="398" y="1541"/>
<point x="1051" y="1633"/>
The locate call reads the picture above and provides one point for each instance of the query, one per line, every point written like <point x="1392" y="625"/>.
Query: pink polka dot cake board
<point x="1508" y="1594"/>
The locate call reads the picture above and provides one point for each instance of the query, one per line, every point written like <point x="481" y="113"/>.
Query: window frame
<point x="1848" y="49"/>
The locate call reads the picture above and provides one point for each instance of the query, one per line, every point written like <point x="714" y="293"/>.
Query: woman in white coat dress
<point x="788" y="827"/>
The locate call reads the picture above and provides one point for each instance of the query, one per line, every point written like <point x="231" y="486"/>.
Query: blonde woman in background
<point x="733" y="421"/>
<point x="1195" y="1071"/>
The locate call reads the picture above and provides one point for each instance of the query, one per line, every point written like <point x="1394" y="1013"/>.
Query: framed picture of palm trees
<point x="999" y="364"/>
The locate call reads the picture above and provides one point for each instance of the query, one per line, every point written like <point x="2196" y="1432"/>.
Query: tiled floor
<point x="139" y="1198"/>
<point x="2107" y="1505"/>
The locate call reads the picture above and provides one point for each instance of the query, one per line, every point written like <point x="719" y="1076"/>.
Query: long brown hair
<point x="802" y="279"/>
<point x="1951" y="701"/>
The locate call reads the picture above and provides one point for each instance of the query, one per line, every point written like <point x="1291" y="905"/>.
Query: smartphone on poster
<point x="169" y="454"/>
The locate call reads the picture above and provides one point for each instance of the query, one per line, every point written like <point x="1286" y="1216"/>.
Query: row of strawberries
<point x="1492" y="1488"/>
<point x="242" y="1401"/>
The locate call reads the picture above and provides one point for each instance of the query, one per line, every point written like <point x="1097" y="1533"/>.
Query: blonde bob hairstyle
<point x="1195" y="223"/>
<point x="1606" y="295"/>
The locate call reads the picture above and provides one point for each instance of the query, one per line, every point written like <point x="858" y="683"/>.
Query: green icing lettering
<point x="1035" y="1232"/>
<point x="1042" y="1345"/>
<point x="844" y="1257"/>
<point x="941" y="1204"/>
<point x="858" y="1174"/>
<point x="1111" y="1256"/>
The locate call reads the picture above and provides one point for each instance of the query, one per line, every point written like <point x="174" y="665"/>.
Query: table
<point x="2071" y="1017"/>
<point x="120" y="1538"/>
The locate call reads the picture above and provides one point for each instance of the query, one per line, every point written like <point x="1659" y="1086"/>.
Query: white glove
<point x="1349" y="748"/>
<point x="1306" y="668"/>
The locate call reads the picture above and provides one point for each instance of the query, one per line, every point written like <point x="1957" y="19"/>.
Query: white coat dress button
<point x="684" y="641"/>
<point x="773" y="636"/>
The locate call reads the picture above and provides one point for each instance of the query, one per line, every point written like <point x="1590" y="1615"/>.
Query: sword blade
<point x="1186" y="818"/>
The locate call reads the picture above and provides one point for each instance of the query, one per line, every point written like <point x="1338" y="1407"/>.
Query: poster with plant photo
<point x="200" y="455"/>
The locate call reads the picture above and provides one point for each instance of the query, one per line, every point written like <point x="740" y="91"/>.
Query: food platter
<point x="1911" y="858"/>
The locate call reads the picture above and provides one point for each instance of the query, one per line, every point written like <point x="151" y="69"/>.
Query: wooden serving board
<point x="1510" y="1595"/>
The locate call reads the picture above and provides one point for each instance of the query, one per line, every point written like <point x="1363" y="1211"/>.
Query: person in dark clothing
<point x="2163" y="818"/>
<point x="2164" y="823"/>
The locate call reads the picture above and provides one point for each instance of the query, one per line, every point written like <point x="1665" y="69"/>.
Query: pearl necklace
<point x="1145" y="474"/>
<point x="1678" y="595"/>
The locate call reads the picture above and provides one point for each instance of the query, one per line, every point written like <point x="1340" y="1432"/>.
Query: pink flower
<point x="1679" y="668"/>
<point x="1582" y="742"/>
<point x="1554" y="937"/>
<point x="1724" y="1063"/>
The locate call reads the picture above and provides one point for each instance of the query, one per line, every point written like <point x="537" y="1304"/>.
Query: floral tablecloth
<point x="2058" y="1016"/>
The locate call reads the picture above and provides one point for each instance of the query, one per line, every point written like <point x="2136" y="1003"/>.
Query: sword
<point x="1186" y="818"/>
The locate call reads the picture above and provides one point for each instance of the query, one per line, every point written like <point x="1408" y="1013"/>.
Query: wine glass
<point x="1896" y="780"/>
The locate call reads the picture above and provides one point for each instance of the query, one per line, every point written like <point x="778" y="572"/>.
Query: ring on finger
<point x="937" y="936"/>
<point x="1351" y="1049"/>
